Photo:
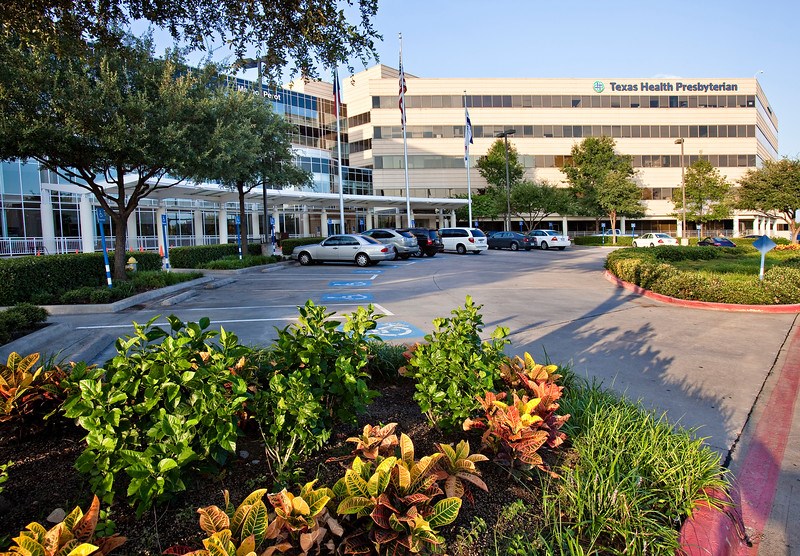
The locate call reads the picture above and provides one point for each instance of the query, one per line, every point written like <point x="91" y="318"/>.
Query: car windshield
<point x="477" y="233"/>
<point x="406" y="234"/>
<point x="368" y="239"/>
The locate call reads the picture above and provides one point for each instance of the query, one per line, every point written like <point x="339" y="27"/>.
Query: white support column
<point x="680" y="227"/>
<point x="88" y="225"/>
<point x="305" y="223"/>
<point x="774" y="231"/>
<point x="452" y="219"/>
<point x="48" y="223"/>
<point x="412" y="220"/>
<point x="564" y="228"/>
<point x="735" y="225"/>
<point x="133" y="234"/>
<point x="368" y="218"/>
<point x="255" y="226"/>
<point x="223" y="224"/>
<point x="199" y="229"/>
<point x="276" y="216"/>
<point x="622" y="222"/>
<point x="323" y="223"/>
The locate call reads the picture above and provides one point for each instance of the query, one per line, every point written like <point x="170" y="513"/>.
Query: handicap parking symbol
<point x="366" y="271"/>
<point x="353" y="297"/>
<point x="397" y="330"/>
<point x="350" y="284"/>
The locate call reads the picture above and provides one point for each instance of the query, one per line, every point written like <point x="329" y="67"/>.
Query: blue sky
<point x="603" y="40"/>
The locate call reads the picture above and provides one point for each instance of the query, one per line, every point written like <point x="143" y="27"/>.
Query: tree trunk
<point x="613" y="218"/>
<point x="120" y="234"/>
<point x="242" y="220"/>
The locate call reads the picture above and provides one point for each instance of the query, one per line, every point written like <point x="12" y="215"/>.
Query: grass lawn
<point x="747" y="264"/>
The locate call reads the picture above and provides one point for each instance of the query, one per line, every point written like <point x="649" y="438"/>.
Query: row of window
<point x="559" y="161"/>
<point x="568" y="101"/>
<point x="569" y="131"/>
<point x="360" y="146"/>
<point x="359" y="119"/>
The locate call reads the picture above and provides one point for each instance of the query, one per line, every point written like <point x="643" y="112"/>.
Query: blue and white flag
<point x="467" y="136"/>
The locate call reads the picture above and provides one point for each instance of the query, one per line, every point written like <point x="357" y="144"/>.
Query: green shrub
<point x="455" y="366"/>
<point x="672" y="253"/>
<point x="314" y="373"/>
<point x="196" y="256"/>
<point x="77" y="295"/>
<point x="782" y="284"/>
<point x="19" y="320"/>
<point x="233" y="262"/>
<point x="168" y="403"/>
<point x="288" y="245"/>
<point x="386" y="359"/>
<point x="46" y="278"/>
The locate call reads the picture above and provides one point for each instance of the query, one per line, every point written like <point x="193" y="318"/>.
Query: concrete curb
<point x="45" y="336"/>
<point x="730" y="307"/>
<point x="710" y="532"/>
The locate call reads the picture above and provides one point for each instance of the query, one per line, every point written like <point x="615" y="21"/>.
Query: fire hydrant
<point x="131" y="264"/>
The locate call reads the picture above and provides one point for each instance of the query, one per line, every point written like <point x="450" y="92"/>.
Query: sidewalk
<point x="765" y="469"/>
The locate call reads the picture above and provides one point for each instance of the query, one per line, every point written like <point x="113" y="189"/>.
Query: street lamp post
<point x="504" y="135"/>
<point x="683" y="190"/>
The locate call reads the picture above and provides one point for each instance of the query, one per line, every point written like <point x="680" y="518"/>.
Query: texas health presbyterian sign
<point x="667" y="87"/>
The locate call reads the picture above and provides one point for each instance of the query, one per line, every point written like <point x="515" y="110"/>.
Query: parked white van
<point x="462" y="240"/>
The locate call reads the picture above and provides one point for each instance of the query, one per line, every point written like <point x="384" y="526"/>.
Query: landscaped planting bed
<point x="332" y="442"/>
<point x="713" y="274"/>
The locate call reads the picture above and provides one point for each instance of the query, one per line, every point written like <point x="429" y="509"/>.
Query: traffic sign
<point x="764" y="244"/>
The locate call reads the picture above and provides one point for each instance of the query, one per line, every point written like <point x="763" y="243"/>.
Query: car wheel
<point x="396" y="254"/>
<point x="460" y="249"/>
<point x="543" y="245"/>
<point x="419" y="253"/>
<point x="362" y="259"/>
<point x="304" y="259"/>
<point x="514" y="246"/>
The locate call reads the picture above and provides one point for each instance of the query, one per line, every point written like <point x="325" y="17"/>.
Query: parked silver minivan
<point x="463" y="240"/>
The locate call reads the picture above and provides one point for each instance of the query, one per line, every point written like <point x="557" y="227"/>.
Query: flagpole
<point x="337" y="93"/>
<point x="467" y="141"/>
<point x="403" y="120"/>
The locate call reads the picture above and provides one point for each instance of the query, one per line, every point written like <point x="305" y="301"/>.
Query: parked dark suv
<point x="428" y="240"/>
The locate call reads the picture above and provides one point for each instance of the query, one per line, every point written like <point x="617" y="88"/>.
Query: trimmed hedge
<point x="199" y="255"/>
<point x="19" y="320"/>
<point x="47" y="277"/>
<point x="288" y="245"/>
<point x="649" y="269"/>
<point x="624" y="241"/>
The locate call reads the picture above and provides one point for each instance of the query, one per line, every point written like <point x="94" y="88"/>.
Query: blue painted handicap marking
<point x="390" y="266"/>
<point x="397" y="329"/>
<point x="347" y="297"/>
<point x="366" y="271"/>
<point x="350" y="284"/>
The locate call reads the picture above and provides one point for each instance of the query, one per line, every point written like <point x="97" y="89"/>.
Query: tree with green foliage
<point x="602" y="181"/>
<point x="534" y="201"/>
<point x="306" y="33"/>
<point x="249" y="147"/>
<point x="773" y="190"/>
<point x="492" y="165"/>
<point x="116" y="122"/>
<point x="708" y="196"/>
<point x="489" y="204"/>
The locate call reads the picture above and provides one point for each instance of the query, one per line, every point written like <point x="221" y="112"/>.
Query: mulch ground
<point x="43" y="478"/>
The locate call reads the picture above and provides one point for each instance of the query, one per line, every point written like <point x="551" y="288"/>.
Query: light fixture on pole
<point x="683" y="190"/>
<point x="504" y="134"/>
<point x="250" y="63"/>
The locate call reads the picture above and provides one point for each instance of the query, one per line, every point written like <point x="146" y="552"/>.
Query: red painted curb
<point x="730" y="307"/>
<point x="710" y="532"/>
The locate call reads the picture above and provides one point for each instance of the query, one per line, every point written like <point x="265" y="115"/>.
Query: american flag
<point x="337" y="92"/>
<point x="403" y="90"/>
<point x="467" y="135"/>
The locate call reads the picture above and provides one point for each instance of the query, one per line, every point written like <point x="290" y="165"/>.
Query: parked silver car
<point x="404" y="244"/>
<point x="344" y="248"/>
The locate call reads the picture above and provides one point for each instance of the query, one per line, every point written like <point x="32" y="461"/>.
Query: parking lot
<point x="703" y="367"/>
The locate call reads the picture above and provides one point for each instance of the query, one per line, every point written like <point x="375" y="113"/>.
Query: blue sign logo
<point x="350" y="284"/>
<point x="598" y="87"/>
<point x="352" y="297"/>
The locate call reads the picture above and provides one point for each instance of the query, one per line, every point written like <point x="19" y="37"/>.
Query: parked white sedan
<point x="344" y="248"/>
<point x="547" y="239"/>
<point x="654" y="240"/>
